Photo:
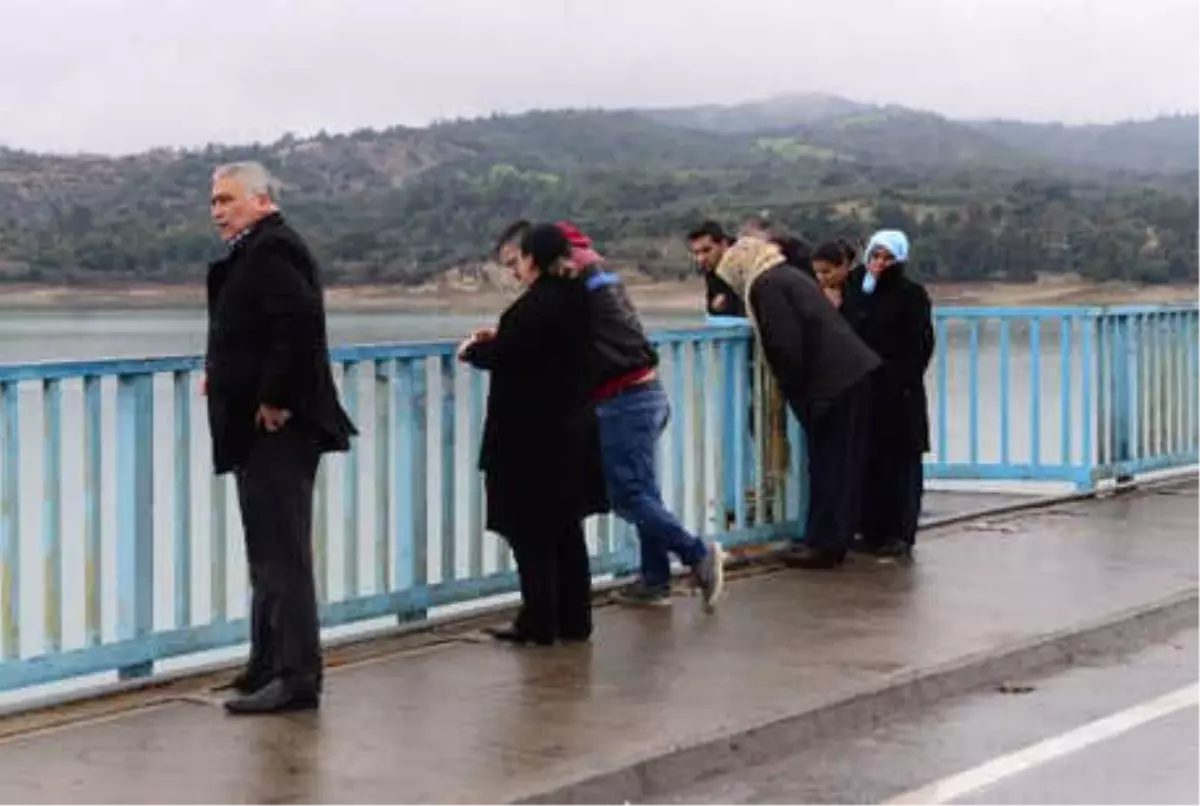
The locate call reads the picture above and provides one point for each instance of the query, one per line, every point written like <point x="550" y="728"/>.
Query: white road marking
<point x="1034" y="755"/>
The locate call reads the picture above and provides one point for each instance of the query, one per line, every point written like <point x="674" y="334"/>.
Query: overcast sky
<point x="124" y="75"/>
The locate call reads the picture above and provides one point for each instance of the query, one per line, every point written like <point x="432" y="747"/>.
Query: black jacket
<point x="812" y="352"/>
<point x="540" y="450"/>
<point x="617" y="343"/>
<point x="897" y="322"/>
<point x="720" y="299"/>
<point x="267" y="344"/>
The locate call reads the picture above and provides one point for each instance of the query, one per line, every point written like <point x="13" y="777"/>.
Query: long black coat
<point x="812" y="351"/>
<point x="897" y="322"/>
<point x="267" y="344"/>
<point x="540" y="450"/>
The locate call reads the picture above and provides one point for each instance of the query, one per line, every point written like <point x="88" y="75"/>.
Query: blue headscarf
<point x="893" y="240"/>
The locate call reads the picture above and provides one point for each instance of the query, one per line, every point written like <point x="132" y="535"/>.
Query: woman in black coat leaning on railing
<point x="540" y="450"/>
<point x="893" y="315"/>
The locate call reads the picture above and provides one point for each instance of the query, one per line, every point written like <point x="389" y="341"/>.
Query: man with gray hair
<point x="273" y="410"/>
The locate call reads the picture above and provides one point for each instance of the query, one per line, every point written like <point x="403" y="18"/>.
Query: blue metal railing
<point x="1075" y="395"/>
<point x="119" y="549"/>
<point x="1147" y="392"/>
<point x="109" y="502"/>
<point x="1010" y="373"/>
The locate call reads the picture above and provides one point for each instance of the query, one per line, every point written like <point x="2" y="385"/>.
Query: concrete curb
<point x="1002" y="510"/>
<point x="1173" y="479"/>
<point x="680" y="766"/>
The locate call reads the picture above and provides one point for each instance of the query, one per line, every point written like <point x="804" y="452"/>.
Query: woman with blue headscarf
<point x="892" y="313"/>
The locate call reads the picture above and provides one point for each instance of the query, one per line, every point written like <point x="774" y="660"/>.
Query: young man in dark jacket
<point x="708" y="243"/>
<point x="273" y="410"/>
<point x="633" y="409"/>
<point x="824" y="371"/>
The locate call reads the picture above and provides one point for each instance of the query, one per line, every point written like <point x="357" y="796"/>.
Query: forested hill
<point x="1000" y="200"/>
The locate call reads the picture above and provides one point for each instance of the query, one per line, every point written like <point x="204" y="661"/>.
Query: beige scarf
<point x="742" y="264"/>
<point x="745" y="262"/>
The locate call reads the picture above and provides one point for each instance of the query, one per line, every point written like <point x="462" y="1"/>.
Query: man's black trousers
<point x="275" y="492"/>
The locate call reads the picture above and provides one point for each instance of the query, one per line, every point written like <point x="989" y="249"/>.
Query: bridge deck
<point x="469" y="721"/>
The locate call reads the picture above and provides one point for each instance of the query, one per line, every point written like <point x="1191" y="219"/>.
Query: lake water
<point x="54" y="335"/>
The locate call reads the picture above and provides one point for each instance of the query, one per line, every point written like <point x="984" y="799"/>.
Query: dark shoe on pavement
<point x="710" y="575"/>
<point x="575" y="631"/>
<point x="641" y="595"/>
<point x="248" y="681"/>
<point x="277" y="697"/>
<point x="812" y="558"/>
<point x="861" y="545"/>
<point x="511" y="635"/>
<point x="896" y="551"/>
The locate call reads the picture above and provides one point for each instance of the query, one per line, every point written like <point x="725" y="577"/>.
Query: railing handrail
<point x="1014" y="312"/>
<point x="1125" y="309"/>
<point x="1059" y="311"/>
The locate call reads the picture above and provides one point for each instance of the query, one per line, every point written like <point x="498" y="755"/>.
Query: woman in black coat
<point x="893" y="315"/>
<point x="540" y="450"/>
<point x="823" y="371"/>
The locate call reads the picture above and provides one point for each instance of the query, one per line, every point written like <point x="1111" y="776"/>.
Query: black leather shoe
<point x="248" y="682"/>
<point x="811" y="558"/>
<point x="511" y="635"/>
<point x="277" y="697"/>
<point x="897" y="551"/>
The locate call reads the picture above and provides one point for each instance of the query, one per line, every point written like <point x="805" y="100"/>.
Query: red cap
<point x="582" y="253"/>
<point x="574" y="237"/>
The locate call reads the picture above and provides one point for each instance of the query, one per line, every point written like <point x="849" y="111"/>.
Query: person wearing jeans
<point x="630" y="426"/>
<point x="633" y="410"/>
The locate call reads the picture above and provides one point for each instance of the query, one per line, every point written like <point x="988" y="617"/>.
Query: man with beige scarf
<point x="822" y="367"/>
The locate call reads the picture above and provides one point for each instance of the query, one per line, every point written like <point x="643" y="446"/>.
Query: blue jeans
<point x="630" y="426"/>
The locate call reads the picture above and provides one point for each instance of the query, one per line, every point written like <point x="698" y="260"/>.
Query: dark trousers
<point x="837" y="455"/>
<point x="275" y="493"/>
<point x="892" y="498"/>
<point x="556" y="583"/>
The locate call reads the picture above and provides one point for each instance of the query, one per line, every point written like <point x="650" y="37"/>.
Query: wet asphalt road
<point x="1068" y="740"/>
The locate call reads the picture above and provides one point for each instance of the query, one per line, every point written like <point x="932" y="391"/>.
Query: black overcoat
<point x="540" y="451"/>
<point x="896" y="321"/>
<point x="267" y="344"/>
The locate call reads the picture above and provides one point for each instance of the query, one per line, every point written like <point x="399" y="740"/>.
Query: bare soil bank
<point x="651" y="297"/>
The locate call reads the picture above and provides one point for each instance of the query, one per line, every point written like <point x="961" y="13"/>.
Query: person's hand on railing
<point x="482" y="334"/>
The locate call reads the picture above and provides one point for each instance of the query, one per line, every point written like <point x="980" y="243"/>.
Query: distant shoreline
<point x="651" y="297"/>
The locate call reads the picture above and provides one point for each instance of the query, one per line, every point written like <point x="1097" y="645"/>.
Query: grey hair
<point x="253" y="175"/>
